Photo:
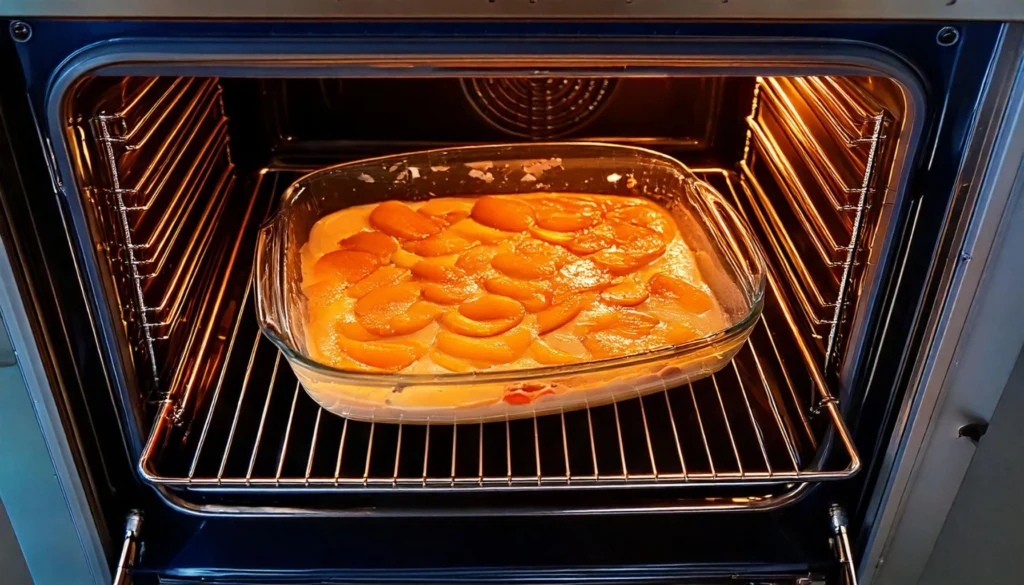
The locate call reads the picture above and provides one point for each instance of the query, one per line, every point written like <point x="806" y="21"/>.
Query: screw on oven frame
<point x="947" y="36"/>
<point x="21" y="31"/>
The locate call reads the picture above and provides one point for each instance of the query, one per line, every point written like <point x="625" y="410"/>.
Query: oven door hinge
<point x="130" y="548"/>
<point x="841" y="544"/>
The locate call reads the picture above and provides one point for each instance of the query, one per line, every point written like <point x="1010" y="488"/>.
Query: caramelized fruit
<point x="463" y="284"/>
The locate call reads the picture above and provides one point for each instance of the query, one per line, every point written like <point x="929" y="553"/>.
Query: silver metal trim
<point x="1000" y="10"/>
<point x="46" y="498"/>
<point x="975" y="338"/>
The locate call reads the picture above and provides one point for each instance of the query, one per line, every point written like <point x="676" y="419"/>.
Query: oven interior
<point x="177" y="174"/>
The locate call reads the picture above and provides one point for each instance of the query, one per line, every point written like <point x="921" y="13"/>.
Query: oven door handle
<point x="130" y="548"/>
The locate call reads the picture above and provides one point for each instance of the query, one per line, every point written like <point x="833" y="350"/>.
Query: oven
<point x="873" y="162"/>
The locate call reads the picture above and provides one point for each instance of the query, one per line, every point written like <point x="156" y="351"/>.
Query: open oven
<point x="850" y="149"/>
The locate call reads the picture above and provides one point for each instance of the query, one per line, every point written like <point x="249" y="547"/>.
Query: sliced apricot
<point x="572" y="220"/>
<point x="677" y="333"/>
<point x="490" y="307"/>
<point x="449" y="293"/>
<point x="628" y="293"/>
<point x="451" y="363"/>
<point x="419" y="315"/>
<point x="442" y="244"/>
<point x="398" y="219"/>
<point x="454" y="321"/>
<point x="354" y="331"/>
<point x="592" y="240"/>
<point x="503" y="213"/>
<point x="377" y="309"/>
<point x="551" y="236"/>
<point x="646" y="216"/>
<point x="499" y="349"/>
<point x="549" y="356"/>
<point x="404" y="258"/>
<point x="478" y="232"/>
<point x="383" y="276"/>
<point x="627" y="333"/>
<point x="386" y="355"/>
<point x="324" y="293"/>
<point x="451" y="209"/>
<point x="476" y="259"/>
<point x="555" y="316"/>
<point x="529" y="267"/>
<point x="687" y="295"/>
<point x="533" y="294"/>
<point x="438" y="270"/>
<point x="582" y="275"/>
<point x="345" y="265"/>
<point x="376" y="243"/>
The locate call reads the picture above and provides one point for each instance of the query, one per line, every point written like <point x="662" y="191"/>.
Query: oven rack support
<point x="254" y="430"/>
<point x="168" y="168"/>
<point x="824" y="169"/>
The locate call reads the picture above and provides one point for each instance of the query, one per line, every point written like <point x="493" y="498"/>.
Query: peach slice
<point x="345" y="265"/>
<point x="398" y="219"/>
<point x="451" y="209"/>
<point x="503" y="213"/>
<point x="677" y="333"/>
<point x="627" y="333"/>
<point x="449" y="293"/>
<point x="376" y="243"/>
<point x="628" y="293"/>
<point x="485" y="316"/>
<point x="551" y="236"/>
<point x="490" y="307"/>
<point x="451" y="363"/>
<point x="386" y="355"/>
<point x="442" y="244"/>
<point x="383" y="276"/>
<point x="554" y="317"/>
<point x="567" y="220"/>
<point x="418" y="316"/>
<point x="528" y="267"/>
<point x="461" y="324"/>
<point x="477" y="232"/>
<point x="499" y="349"/>
<point x="476" y="259"/>
<point x="354" y="331"/>
<point x="687" y="295"/>
<point x="439" y="270"/>
<point x="549" y="356"/>
<point x="582" y="275"/>
<point x="592" y="240"/>
<point x="534" y="295"/>
<point x="388" y="310"/>
<point x="404" y="258"/>
<point x="646" y="216"/>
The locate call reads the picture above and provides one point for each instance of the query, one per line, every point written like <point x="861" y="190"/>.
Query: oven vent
<point x="809" y="183"/>
<point x="538" y="108"/>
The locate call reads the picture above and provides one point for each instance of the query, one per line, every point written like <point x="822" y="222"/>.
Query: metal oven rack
<point x="750" y="428"/>
<point x="163" y="143"/>
<point x="808" y="182"/>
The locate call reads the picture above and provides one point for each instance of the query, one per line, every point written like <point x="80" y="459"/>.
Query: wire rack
<point x="254" y="430"/>
<point x="808" y="183"/>
<point x="162" y="199"/>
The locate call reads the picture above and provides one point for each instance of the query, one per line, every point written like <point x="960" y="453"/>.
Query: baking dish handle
<point x="740" y="238"/>
<point x="270" y="280"/>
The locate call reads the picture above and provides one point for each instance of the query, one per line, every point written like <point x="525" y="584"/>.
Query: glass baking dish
<point x="727" y="257"/>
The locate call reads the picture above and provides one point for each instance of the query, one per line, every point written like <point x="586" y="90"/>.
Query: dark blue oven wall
<point x="647" y="547"/>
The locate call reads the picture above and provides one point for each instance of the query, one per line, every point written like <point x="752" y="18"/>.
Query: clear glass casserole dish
<point x="725" y="254"/>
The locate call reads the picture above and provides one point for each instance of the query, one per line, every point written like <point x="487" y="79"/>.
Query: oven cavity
<point x="178" y="174"/>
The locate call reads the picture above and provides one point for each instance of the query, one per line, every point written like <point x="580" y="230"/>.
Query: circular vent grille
<point x="538" y="108"/>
